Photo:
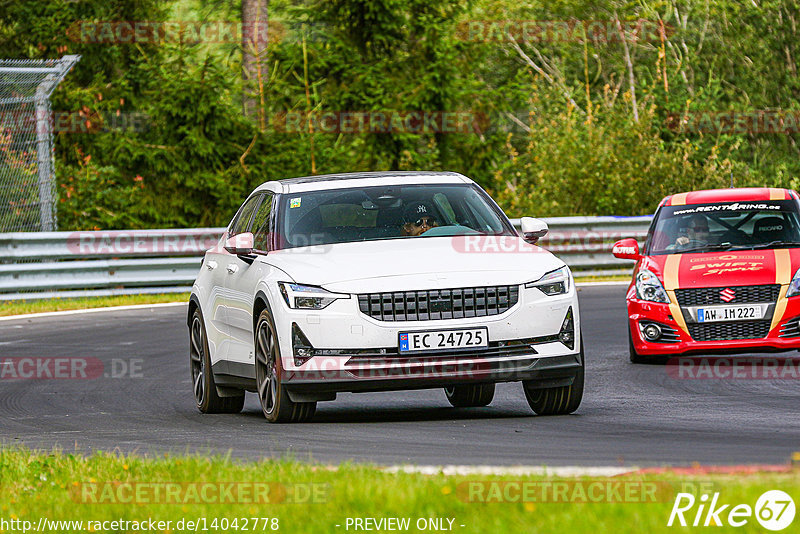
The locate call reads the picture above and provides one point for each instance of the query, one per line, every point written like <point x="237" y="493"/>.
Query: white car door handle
<point x="211" y="265"/>
<point x="232" y="268"/>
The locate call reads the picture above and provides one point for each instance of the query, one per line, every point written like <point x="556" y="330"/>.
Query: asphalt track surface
<point x="632" y="415"/>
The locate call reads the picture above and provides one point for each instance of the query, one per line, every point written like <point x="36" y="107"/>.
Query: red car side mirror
<point x="626" y="249"/>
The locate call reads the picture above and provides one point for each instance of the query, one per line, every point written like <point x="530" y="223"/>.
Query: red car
<point x="718" y="274"/>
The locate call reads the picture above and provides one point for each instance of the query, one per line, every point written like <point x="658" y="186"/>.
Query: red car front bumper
<point x="644" y="311"/>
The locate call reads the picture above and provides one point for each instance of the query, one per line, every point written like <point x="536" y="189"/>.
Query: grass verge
<point x="311" y="498"/>
<point x="20" y="307"/>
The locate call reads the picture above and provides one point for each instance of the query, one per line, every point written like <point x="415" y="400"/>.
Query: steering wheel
<point x="694" y="243"/>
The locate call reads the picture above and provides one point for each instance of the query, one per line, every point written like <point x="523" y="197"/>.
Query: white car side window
<point x="261" y="224"/>
<point x="242" y="221"/>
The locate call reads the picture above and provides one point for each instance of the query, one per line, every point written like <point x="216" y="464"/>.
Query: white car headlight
<point x="553" y="283"/>
<point x="302" y="297"/>
<point x="794" y="285"/>
<point x="648" y="287"/>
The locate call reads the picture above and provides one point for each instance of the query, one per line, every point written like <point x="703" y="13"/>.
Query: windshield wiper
<point x="719" y="246"/>
<point x="772" y="244"/>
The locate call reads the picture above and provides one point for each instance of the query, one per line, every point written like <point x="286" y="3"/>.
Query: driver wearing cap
<point x="418" y="218"/>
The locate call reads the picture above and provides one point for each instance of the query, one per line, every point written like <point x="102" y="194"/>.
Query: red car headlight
<point x="648" y="287"/>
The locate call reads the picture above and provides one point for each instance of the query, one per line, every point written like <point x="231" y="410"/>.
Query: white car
<point x="379" y="282"/>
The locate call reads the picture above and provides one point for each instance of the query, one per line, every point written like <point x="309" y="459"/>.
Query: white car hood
<point x="415" y="263"/>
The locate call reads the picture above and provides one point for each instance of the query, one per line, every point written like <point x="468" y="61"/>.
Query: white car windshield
<point x="725" y="226"/>
<point x="386" y="212"/>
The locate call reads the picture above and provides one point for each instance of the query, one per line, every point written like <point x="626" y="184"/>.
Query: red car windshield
<point x="724" y="226"/>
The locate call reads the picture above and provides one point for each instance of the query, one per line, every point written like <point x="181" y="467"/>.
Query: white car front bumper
<point x="348" y="350"/>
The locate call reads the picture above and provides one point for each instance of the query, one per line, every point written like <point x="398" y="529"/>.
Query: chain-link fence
<point x="27" y="178"/>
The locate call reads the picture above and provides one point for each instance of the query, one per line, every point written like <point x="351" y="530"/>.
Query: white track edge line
<point x="485" y="470"/>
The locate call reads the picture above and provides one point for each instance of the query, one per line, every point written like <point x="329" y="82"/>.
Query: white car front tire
<point x="559" y="400"/>
<point x="272" y="394"/>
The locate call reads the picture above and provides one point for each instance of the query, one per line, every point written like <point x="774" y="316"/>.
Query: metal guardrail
<point x="584" y="243"/>
<point x="76" y="264"/>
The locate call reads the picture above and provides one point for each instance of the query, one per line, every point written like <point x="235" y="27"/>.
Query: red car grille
<point x="704" y="296"/>
<point x="715" y="296"/>
<point x="726" y="331"/>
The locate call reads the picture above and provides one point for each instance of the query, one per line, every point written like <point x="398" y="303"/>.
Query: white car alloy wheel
<point x="197" y="355"/>
<point x="206" y="396"/>
<point x="274" y="399"/>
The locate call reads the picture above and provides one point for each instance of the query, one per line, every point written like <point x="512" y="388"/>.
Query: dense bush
<point x="559" y="129"/>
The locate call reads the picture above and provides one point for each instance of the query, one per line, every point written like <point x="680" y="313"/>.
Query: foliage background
<point x="576" y="146"/>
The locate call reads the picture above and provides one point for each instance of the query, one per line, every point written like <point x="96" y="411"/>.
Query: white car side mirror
<point x="532" y="229"/>
<point x="240" y="244"/>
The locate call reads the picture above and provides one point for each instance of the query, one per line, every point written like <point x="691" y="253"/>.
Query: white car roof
<point x="361" y="179"/>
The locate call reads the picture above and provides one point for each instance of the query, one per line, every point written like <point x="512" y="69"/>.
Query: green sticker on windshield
<point x="294" y="202"/>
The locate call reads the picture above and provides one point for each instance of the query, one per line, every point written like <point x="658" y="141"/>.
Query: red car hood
<point x="740" y="268"/>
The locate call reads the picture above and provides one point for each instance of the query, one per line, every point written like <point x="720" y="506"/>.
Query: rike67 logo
<point x="774" y="510"/>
